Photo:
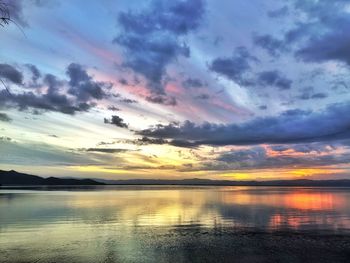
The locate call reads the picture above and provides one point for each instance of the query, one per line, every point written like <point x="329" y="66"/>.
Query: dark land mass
<point x="204" y="182"/>
<point x="16" y="178"/>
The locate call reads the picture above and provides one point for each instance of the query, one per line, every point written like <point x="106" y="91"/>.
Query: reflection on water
<point x="119" y="223"/>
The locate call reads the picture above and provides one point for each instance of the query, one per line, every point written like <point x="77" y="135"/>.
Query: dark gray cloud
<point x="50" y="101"/>
<point x="334" y="45"/>
<point x="117" y="121"/>
<point x="320" y="35"/>
<point x="308" y="95"/>
<point x="319" y="95"/>
<point x="235" y="67"/>
<point x="36" y="74"/>
<point x="11" y="73"/>
<point x="192" y="83"/>
<point x="140" y="141"/>
<point x="271" y="44"/>
<point x="4" y="117"/>
<point x="150" y="37"/>
<point x="258" y="157"/>
<point x="161" y="99"/>
<point x="274" y="78"/>
<point x="146" y="141"/>
<point x="280" y="12"/>
<point x="238" y="69"/>
<point x="123" y="81"/>
<point x="304" y="148"/>
<point x="106" y="150"/>
<point x="293" y="126"/>
<point x="253" y="154"/>
<point x="83" y="90"/>
<point x="158" y="141"/>
<point x="113" y="108"/>
<point x="203" y="96"/>
<point x="83" y="86"/>
<point x="129" y="101"/>
<point x="52" y="82"/>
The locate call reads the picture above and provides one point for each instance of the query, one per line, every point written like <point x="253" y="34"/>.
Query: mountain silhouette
<point x="14" y="178"/>
<point x="209" y="182"/>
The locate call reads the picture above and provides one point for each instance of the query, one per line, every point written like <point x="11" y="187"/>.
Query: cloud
<point x="52" y="82"/>
<point x="129" y="101"/>
<point x="235" y="67"/>
<point x="292" y="126"/>
<point x="83" y="86"/>
<point x="140" y="141"/>
<point x="334" y="45"/>
<point x="123" y="81"/>
<point x="160" y="99"/>
<point x="247" y="155"/>
<point x="150" y="37"/>
<point x="117" y="121"/>
<point x="259" y="157"/>
<point x="272" y="45"/>
<point x="281" y="12"/>
<point x="113" y="108"/>
<point x="79" y="96"/>
<point x="50" y="101"/>
<point x="4" y="117"/>
<point x="36" y="74"/>
<point x="321" y="34"/>
<point x="274" y="78"/>
<point x="318" y="35"/>
<point x="192" y="83"/>
<point x="308" y="94"/>
<point x="203" y="96"/>
<point x="303" y="148"/>
<point x="11" y="73"/>
<point x="106" y="150"/>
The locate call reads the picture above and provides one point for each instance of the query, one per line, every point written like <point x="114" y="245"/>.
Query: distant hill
<point x="15" y="178"/>
<point x="203" y="182"/>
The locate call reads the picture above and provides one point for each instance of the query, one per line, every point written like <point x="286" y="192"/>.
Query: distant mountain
<point x="15" y="178"/>
<point x="203" y="182"/>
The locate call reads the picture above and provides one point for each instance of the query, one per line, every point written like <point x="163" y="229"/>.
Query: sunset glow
<point x="176" y="89"/>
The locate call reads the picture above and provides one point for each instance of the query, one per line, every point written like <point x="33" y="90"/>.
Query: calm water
<point x="159" y="223"/>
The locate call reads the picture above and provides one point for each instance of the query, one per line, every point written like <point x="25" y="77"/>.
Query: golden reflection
<point x="297" y="221"/>
<point x="297" y="198"/>
<point x="148" y="207"/>
<point x="312" y="201"/>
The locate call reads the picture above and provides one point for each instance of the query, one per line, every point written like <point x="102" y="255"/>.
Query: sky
<point x="229" y="89"/>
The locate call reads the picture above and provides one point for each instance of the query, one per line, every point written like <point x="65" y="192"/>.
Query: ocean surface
<point x="174" y="224"/>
